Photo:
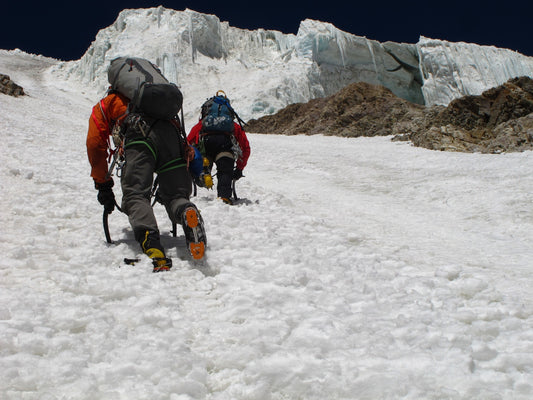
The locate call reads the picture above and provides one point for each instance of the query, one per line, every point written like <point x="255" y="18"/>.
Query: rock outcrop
<point x="499" y="120"/>
<point x="360" y="109"/>
<point x="7" y="86"/>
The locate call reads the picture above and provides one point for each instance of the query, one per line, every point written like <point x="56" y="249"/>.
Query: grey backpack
<point x="149" y="92"/>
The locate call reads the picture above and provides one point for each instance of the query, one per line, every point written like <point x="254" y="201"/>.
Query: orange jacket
<point x="105" y="114"/>
<point x="240" y="135"/>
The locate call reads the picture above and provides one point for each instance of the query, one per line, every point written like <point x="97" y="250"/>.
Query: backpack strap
<point x="104" y="130"/>
<point x="172" y="164"/>
<point x="136" y="122"/>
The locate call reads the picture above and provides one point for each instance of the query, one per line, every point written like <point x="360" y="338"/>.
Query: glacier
<point x="452" y="70"/>
<point x="263" y="71"/>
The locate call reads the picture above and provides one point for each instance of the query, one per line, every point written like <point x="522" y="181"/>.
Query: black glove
<point x="106" y="196"/>
<point x="237" y="174"/>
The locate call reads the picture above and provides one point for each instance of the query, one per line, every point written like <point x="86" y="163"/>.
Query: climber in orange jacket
<point x="158" y="150"/>
<point x="109" y="111"/>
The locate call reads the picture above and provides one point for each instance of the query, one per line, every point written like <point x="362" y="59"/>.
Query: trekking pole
<point x="183" y="122"/>
<point x="174" y="229"/>
<point x="233" y="189"/>
<point x="153" y="193"/>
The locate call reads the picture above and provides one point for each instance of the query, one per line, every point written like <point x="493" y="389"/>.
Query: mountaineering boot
<point x="226" y="200"/>
<point x="193" y="227"/>
<point x="153" y="249"/>
<point x="160" y="262"/>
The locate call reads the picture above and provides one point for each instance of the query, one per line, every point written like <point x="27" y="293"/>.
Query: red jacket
<point x="106" y="113"/>
<point x="240" y="135"/>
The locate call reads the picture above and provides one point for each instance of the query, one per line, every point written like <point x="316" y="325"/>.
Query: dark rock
<point x="7" y="86"/>
<point x="360" y="109"/>
<point x="496" y="121"/>
<point x="499" y="120"/>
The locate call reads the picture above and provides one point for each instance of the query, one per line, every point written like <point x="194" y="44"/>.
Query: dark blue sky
<point x="65" y="30"/>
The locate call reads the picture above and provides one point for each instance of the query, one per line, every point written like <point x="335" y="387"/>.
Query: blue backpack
<point x="217" y="114"/>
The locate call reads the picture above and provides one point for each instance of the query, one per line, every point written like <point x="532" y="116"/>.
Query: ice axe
<point x="106" y="223"/>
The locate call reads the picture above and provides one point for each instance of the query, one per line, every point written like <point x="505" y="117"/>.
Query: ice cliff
<point x="452" y="70"/>
<point x="262" y="71"/>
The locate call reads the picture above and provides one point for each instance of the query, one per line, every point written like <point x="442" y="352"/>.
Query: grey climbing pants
<point x="159" y="153"/>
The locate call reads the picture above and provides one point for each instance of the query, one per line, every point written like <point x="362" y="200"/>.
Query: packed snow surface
<point x="352" y="269"/>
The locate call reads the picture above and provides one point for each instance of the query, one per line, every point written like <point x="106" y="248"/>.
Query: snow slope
<point x="354" y="269"/>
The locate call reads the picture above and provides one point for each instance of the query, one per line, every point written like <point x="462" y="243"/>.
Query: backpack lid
<point x="219" y="98"/>
<point x="145" y="86"/>
<point x="128" y="74"/>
